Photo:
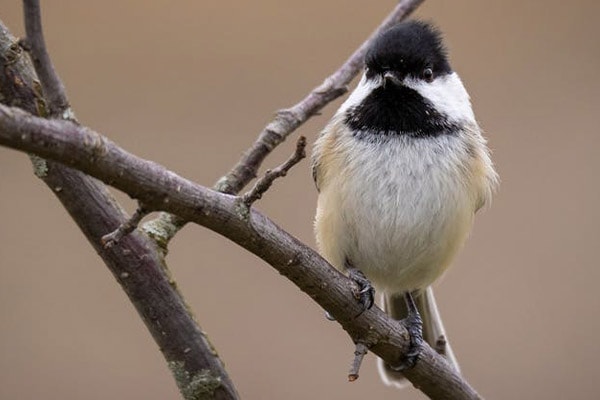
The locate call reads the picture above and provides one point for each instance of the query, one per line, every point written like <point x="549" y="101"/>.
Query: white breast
<point x="398" y="208"/>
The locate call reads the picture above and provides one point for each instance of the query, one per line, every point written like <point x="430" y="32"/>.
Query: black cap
<point x="408" y="48"/>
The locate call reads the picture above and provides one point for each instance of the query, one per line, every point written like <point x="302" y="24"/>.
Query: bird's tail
<point x="433" y="332"/>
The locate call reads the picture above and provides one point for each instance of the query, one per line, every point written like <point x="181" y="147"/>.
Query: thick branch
<point x="135" y="263"/>
<point x="160" y="189"/>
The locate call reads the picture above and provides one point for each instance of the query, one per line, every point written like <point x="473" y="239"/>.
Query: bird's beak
<point x="390" y="78"/>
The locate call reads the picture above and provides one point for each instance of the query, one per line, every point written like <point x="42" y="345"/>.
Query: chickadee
<point x="401" y="169"/>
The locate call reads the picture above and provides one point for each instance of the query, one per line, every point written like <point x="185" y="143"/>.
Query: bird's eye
<point x="428" y="74"/>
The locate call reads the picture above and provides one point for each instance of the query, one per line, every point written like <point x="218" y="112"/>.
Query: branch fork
<point x="110" y="239"/>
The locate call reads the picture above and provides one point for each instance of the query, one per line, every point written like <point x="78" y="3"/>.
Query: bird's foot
<point x="364" y="291"/>
<point x="414" y="326"/>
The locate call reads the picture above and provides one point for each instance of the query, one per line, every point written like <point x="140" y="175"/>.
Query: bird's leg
<point x="414" y="326"/>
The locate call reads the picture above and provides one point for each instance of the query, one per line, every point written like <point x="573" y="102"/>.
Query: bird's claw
<point x="365" y="294"/>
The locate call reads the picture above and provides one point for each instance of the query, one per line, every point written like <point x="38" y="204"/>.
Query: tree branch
<point x="359" y="353"/>
<point x="135" y="263"/>
<point x="160" y="189"/>
<point x="285" y="123"/>
<point x="110" y="239"/>
<point x="264" y="183"/>
<point x="288" y="120"/>
<point x="52" y="87"/>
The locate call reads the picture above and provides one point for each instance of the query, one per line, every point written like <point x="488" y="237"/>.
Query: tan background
<point x="190" y="84"/>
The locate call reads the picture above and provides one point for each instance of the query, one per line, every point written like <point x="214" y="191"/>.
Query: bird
<point x="401" y="170"/>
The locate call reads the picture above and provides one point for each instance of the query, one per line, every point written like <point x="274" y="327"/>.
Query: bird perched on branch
<point x="401" y="170"/>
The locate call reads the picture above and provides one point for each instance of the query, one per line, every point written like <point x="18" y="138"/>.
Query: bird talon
<point x="365" y="294"/>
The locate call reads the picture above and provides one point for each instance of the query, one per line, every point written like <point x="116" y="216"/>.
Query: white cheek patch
<point x="447" y="94"/>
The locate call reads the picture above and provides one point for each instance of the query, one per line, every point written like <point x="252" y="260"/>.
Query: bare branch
<point x="110" y="239"/>
<point x="52" y="86"/>
<point x="359" y="354"/>
<point x="160" y="189"/>
<point x="136" y="264"/>
<point x="264" y="183"/>
<point x="286" y="121"/>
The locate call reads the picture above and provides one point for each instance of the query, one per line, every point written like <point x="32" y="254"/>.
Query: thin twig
<point x="441" y="345"/>
<point x="286" y="121"/>
<point x="264" y="183"/>
<point x="52" y="86"/>
<point x="110" y="239"/>
<point x="359" y="353"/>
<point x="152" y="184"/>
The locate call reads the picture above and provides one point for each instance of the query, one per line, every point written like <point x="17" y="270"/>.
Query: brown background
<point x="190" y="84"/>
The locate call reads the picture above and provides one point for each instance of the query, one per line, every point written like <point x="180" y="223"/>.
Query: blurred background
<point x="190" y="84"/>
